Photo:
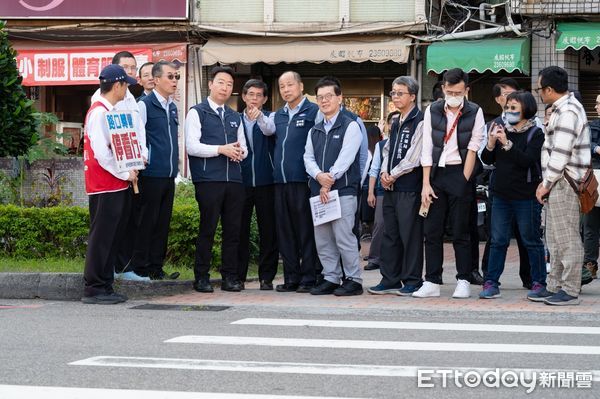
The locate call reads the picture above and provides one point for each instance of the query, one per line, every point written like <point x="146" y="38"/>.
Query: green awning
<point x="480" y="55"/>
<point x="578" y="35"/>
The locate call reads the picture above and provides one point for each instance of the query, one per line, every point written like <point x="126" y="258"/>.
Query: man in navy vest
<point x="257" y="174"/>
<point x="332" y="160"/>
<point x="401" y="263"/>
<point x="295" y="236"/>
<point x="453" y="130"/>
<point x="157" y="182"/>
<point x="216" y="145"/>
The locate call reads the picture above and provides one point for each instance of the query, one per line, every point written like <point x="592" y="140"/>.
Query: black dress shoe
<point x="266" y="285"/>
<point x="349" y="287"/>
<point x="305" y="288"/>
<point x="231" y="285"/>
<point x="203" y="285"/>
<point x="476" y="278"/>
<point x="325" y="288"/>
<point x="371" y="266"/>
<point x="161" y="275"/>
<point x="287" y="287"/>
<point x="104" y="299"/>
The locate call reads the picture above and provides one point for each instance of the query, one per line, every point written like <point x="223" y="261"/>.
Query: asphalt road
<point x="326" y="352"/>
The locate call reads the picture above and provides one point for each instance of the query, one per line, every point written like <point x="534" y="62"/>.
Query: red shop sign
<point x="55" y="67"/>
<point x="105" y="9"/>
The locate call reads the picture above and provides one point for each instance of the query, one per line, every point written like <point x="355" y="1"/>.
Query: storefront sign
<point x="105" y="9"/>
<point x="69" y="67"/>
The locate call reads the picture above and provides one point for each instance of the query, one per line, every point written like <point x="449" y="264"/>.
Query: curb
<point x="69" y="286"/>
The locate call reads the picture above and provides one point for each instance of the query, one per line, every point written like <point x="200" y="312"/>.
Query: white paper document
<point x="323" y="213"/>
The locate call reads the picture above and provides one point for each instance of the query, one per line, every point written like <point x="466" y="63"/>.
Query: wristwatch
<point x="507" y="146"/>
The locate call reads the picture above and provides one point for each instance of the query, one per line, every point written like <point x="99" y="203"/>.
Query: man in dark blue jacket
<point x="257" y="174"/>
<point x="292" y="211"/>
<point x="215" y="141"/>
<point x="157" y="182"/>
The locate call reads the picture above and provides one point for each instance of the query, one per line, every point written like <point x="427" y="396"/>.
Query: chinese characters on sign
<point x="505" y="61"/>
<point x="67" y="67"/>
<point x="124" y="142"/>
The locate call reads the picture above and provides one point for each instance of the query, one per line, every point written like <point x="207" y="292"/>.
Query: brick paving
<point x="513" y="295"/>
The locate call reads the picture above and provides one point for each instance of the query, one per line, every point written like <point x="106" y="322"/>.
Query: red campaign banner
<point x="105" y="9"/>
<point x="56" y="67"/>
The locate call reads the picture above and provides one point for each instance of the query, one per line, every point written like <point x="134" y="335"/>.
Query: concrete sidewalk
<point x="513" y="302"/>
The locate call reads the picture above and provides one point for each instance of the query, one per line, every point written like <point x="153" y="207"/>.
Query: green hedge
<point x="61" y="232"/>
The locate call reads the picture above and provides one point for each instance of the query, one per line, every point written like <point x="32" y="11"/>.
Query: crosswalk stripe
<point x="283" y="367"/>
<point x="22" y="391"/>
<point x="517" y="328"/>
<point x="387" y="345"/>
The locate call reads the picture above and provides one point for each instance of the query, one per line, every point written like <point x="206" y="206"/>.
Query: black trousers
<point x="295" y="233"/>
<point x="122" y="261"/>
<point x="153" y="210"/>
<point x="455" y="195"/>
<point x="402" y="244"/>
<point x="473" y="230"/>
<point x="262" y="199"/>
<point x="524" y="267"/>
<point x="216" y="200"/>
<point x="109" y="215"/>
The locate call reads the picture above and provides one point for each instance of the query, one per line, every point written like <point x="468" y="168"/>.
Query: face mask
<point x="512" y="117"/>
<point x="454" y="102"/>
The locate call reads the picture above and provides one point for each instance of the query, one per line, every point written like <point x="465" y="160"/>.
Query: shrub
<point x="61" y="232"/>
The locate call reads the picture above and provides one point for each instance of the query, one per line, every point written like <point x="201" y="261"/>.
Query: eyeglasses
<point x="397" y="93"/>
<point x="171" y="76"/>
<point x="129" y="67"/>
<point x="254" y="95"/>
<point x="327" y="97"/>
<point x="537" y="89"/>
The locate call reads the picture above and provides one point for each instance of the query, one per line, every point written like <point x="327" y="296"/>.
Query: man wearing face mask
<point x="453" y="130"/>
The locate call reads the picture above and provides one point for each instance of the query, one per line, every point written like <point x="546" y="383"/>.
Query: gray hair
<point x="295" y="75"/>
<point x="408" y="81"/>
<point x="157" y="69"/>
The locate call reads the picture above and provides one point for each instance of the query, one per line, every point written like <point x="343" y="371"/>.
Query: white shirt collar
<point x="105" y="102"/>
<point x="161" y="99"/>
<point x="213" y="105"/>
<point x="297" y="107"/>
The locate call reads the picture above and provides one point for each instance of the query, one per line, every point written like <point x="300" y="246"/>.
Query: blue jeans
<point x="526" y="213"/>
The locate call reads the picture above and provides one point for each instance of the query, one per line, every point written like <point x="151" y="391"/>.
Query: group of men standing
<point x="274" y="162"/>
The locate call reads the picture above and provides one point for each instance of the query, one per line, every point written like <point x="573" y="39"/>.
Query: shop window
<point x="382" y="11"/>
<point x="212" y="11"/>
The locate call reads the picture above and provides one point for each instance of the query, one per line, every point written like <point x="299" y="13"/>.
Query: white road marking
<point x="517" y="328"/>
<point x="27" y="392"/>
<point x="386" y="345"/>
<point x="285" y="367"/>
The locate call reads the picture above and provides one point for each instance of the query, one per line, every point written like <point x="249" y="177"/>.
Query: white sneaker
<point x="131" y="276"/>
<point x="463" y="289"/>
<point x="427" y="290"/>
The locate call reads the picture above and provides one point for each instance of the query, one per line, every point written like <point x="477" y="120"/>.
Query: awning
<point x="578" y="35"/>
<point x="290" y="50"/>
<point x="480" y="55"/>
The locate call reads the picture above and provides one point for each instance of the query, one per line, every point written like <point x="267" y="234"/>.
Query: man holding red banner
<point x="108" y="191"/>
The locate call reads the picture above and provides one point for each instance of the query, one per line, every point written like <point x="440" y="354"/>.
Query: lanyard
<point x="452" y="129"/>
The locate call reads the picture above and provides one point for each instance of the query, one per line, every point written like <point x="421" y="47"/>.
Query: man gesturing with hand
<point x="215" y="145"/>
